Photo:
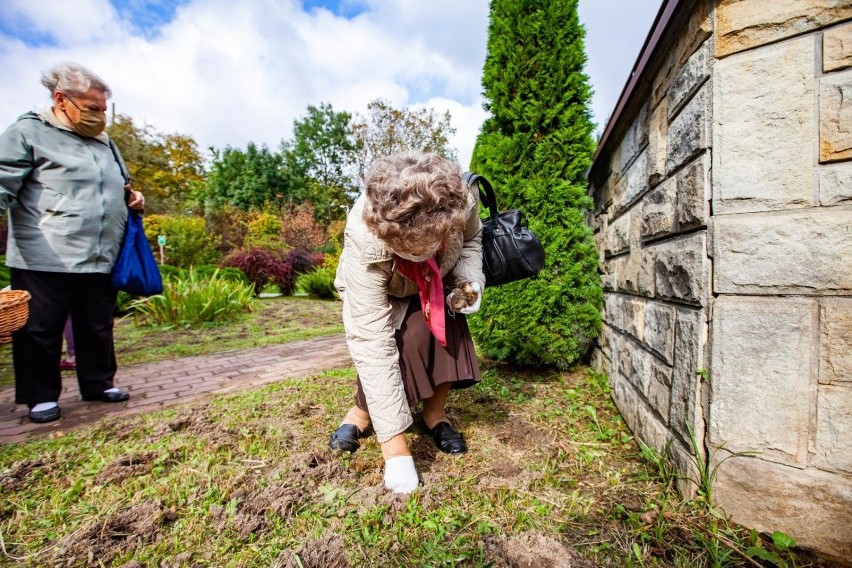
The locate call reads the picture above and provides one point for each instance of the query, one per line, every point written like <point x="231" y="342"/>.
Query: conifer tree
<point x="535" y="148"/>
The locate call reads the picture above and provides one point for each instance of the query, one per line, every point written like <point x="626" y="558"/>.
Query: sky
<point x="228" y="73"/>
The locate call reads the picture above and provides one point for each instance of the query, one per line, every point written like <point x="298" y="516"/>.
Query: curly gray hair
<point x="414" y="200"/>
<point x="73" y="79"/>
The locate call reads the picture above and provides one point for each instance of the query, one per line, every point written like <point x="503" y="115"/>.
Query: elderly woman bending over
<point x="411" y="240"/>
<point x="61" y="182"/>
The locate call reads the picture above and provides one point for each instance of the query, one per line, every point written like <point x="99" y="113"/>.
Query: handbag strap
<point x="486" y="192"/>
<point x="120" y="161"/>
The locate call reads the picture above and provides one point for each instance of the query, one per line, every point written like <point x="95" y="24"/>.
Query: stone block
<point x="795" y="252"/>
<point x="689" y="133"/>
<point x="681" y="457"/>
<point x="835" y="184"/>
<point x="658" y="211"/>
<point x="812" y="506"/>
<point x="618" y="236"/>
<point x="693" y="194"/>
<point x="659" y="330"/>
<point x="835" y="361"/>
<point x="614" y="314"/>
<point x="626" y="399"/>
<point x="681" y="269"/>
<point x="686" y="391"/>
<point x="633" y="365"/>
<point x="632" y="185"/>
<point x="837" y="48"/>
<point x="657" y="130"/>
<point x="633" y="311"/>
<point x="761" y="162"/>
<point x="835" y="116"/>
<point x="634" y="141"/>
<point x="833" y="442"/>
<point x="657" y="387"/>
<point x="762" y="385"/>
<point x="695" y="32"/>
<point x="689" y="79"/>
<point x="633" y="273"/>
<point x="650" y="429"/>
<point x="742" y="25"/>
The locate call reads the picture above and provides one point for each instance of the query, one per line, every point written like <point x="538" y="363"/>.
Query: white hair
<point x="73" y="79"/>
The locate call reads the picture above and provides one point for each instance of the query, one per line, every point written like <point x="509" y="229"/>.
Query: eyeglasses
<point x="88" y="108"/>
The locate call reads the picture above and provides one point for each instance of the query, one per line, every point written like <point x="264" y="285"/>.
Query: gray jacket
<point x="65" y="196"/>
<point x="375" y="299"/>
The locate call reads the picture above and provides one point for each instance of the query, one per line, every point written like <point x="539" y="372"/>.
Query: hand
<point x="137" y="200"/>
<point x="474" y="307"/>
<point x="401" y="475"/>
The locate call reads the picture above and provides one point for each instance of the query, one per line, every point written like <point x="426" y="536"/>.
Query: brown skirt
<point x="425" y="363"/>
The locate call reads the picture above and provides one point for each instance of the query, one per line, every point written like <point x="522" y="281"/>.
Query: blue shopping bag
<point x="135" y="270"/>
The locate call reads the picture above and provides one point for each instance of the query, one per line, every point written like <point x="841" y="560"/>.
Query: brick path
<point x="153" y="386"/>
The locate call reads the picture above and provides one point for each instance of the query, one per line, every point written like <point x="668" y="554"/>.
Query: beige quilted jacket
<point x="375" y="299"/>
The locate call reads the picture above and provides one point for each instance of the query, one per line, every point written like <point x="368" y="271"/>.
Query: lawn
<point x="553" y="478"/>
<point x="271" y="321"/>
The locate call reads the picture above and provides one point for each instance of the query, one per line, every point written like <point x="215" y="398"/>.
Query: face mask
<point x="91" y="123"/>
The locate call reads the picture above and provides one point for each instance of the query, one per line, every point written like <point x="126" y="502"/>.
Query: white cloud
<point x="229" y="73"/>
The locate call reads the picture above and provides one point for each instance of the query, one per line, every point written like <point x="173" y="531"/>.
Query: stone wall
<point x="652" y="214"/>
<point x="782" y="280"/>
<point x="724" y="224"/>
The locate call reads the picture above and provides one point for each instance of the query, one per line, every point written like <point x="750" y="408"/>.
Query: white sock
<point x="43" y="406"/>
<point x="401" y="475"/>
<point x="113" y="389"/>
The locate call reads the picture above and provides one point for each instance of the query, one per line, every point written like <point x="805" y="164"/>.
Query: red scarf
<point x="427" y="276"/>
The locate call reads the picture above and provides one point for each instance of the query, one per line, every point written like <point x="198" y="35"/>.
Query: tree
<point x="142" y="153"/>
<point x="184" y="175"/>
<point x="388" y="130"/>
<point x="321" y="158"/>
<point x="167" y="168"/>
<point x="247" y="179"/>
<point x="535" y="148"/>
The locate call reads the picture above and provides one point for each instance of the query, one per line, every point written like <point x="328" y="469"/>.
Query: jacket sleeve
<point x="469" y="266"/>
<point x="16" y="163"/>
<point x="370" y="336"/>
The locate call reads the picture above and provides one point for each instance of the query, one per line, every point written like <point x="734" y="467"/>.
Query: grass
<point x="246" y="480"/>
<point x="272" y="321"/>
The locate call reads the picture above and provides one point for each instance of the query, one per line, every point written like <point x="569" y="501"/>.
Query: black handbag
<point x="510" y="250"/>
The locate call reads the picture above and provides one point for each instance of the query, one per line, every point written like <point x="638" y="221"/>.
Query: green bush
<point x="535" y="148"/>
<point x="187" y="240"/>
<point x="319" y="283"/>
<point x="196" y="299"/>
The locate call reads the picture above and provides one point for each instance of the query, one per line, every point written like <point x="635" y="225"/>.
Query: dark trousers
<point x="37" y="347"/>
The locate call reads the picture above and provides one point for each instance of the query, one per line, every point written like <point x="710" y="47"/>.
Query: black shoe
<point x="112" y="396"/>
<point x="48" y="415"/>
<point x="447" y="438"/>
<point x="345" y="438"/>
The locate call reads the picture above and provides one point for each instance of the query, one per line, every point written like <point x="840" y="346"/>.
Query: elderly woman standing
<point x="61" y="182"/>
<point x="411" y="240"/>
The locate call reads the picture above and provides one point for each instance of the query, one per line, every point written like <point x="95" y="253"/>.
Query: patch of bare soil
<point x="129" y="465"/>
<point x="100" y="542"/>
<point x="199" y="423"/>
<point x="519" y="433"/>
<point x="255" y="506"/>
<point x="320" y="466"/>
<point x="531" y="550"/>
<point x="328" y="551"/>
<point x="15" y="477"/>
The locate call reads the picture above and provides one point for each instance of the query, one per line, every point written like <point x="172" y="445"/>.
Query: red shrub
<point x="263" y="267"/>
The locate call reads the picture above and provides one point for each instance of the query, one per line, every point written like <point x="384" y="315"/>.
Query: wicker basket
<point x="14" y="310"/>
